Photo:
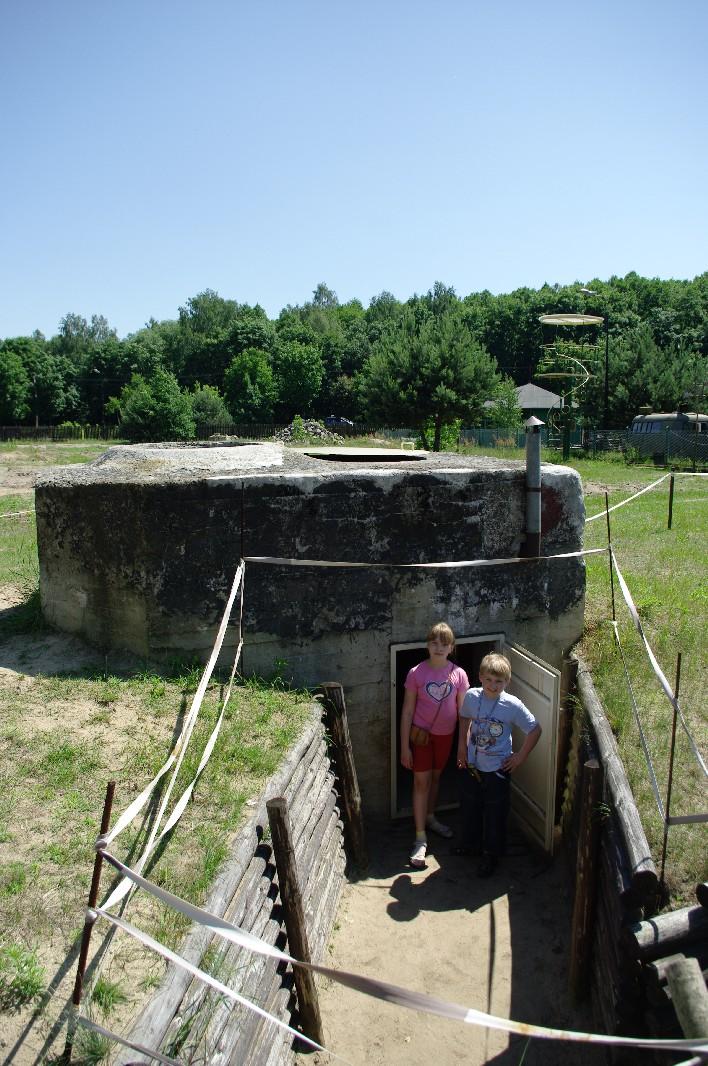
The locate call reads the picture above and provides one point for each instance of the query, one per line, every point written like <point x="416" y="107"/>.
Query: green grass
<point x="64" y="735"/>
<point x="107" y="995"/>
<point x="55" y="453"/>
<point x="665" y="571"/>
<point x="21" y="977"/>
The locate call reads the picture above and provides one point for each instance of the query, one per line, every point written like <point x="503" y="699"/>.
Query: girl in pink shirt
<point x="434" y="691"/>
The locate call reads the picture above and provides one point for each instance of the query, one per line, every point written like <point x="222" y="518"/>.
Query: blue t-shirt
<point x="489" y="742"/>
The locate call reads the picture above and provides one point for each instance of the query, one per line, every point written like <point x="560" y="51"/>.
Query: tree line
<point x="426" y="362"/>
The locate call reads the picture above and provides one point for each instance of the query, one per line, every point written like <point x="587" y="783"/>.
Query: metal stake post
<point x="89" y="921"/>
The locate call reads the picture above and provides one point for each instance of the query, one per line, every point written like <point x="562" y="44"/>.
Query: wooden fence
<point x="629" y="946"/>
<point x="185" y="1018"/>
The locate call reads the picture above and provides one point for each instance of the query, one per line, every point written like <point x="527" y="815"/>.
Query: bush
<point x="155" y="409"/>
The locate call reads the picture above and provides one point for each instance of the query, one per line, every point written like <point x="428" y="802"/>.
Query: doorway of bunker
<point x="537" y="685"/>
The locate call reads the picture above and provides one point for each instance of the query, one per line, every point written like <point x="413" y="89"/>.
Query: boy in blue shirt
<point x="485" y="754"/>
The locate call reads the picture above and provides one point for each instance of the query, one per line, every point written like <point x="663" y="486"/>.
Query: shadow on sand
<point x="522" y="934"/>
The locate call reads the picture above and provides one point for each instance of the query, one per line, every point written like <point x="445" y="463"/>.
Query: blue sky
<point x="153" y="149"/>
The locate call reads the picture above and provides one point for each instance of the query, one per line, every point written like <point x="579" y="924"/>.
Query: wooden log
<point x="244" y="1030"/>
<point x="586" y="880"/>
<point x="331" y="853"/>
<point x="338" y="726"/>
<point x="252" y="988"/>
<point x="569" y="670"/>
<point x="654" y="973"/>
<point x="154" y="1019"/>
<point x="666" y="934"/>
<point x="241" y="1040"/>
<point x="328" y="837"/>
<point x="326" y="811"/>
<point x="301" y="795"/>
<point x="618" y="887"/>
<point x="331" y="896"/>
<point x="689" y="996"/>
<point x="291" y="898"/>
<point x="245" y="969"/>
<point x="322" y="797"/>
<point x="644" y="876"/>
<point x="241" y="1025"/>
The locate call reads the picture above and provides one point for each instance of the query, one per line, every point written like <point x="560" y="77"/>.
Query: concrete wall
<point x="138" y="550"/>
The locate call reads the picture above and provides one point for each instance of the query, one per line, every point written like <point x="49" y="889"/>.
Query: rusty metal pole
<point x="89" y="919"/>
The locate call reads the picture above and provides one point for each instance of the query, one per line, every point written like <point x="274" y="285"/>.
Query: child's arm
<point x="518" y="758"/>
<point x="462" y="732"/>
<point x="462" y="742"/>
<point x="406" y="720"/>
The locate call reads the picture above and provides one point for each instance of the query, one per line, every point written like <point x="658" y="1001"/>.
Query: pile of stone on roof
<point x="312" y="429"/>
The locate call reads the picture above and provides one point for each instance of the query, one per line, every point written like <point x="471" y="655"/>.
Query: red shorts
<point x="434" y="754"/>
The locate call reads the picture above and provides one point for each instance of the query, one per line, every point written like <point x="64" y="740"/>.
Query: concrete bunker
<point x="138" y="549"/>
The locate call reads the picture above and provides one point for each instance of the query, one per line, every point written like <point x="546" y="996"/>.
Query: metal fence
<point x="59" y="433"/>
<point x="662" y="448"/>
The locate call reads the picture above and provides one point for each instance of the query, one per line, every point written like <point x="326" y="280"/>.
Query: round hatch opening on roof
<point x="366" y="455"/>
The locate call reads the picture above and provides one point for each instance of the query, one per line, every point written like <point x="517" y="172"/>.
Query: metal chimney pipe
<point x="532" y="545"/>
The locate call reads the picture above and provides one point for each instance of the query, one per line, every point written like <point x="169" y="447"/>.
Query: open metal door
<point x="537" y="685"/>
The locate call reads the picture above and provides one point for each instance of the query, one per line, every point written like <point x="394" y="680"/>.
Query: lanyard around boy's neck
<point x="489" y="715"/>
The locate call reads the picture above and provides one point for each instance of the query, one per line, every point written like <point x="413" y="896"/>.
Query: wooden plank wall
<point x="185" y="1019"/>
<point x="628" y="982"/>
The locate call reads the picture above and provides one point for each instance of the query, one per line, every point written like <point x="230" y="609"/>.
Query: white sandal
<point x="439" y="827"/>
<point x="418" y="851"/>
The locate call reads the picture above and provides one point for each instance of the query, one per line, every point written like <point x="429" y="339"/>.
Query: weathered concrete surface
<point x="139" y="548"/>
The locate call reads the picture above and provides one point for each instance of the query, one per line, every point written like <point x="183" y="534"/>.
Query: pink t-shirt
<point x="436" y="689"/>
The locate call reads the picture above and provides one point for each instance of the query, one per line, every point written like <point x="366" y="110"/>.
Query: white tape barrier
<point x="403" y="997"/>
<point x="122" y="889"/>
<point x="652" y="659"/>
<point x="637" y="719"/>
<point x="677" y="473"/>
<point x="463" y="564"/>
<point x="207" y="978"/>
<point x="182" y="741"/>
<point x="629" y="499"/>
<point x="124" y="886"/>
<point x="96" y="1028"/>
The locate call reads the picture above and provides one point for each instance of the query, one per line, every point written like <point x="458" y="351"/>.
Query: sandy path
<point x="499" y="945"/>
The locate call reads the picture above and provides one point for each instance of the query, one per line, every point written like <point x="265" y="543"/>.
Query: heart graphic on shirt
<point x="438" y="690"/>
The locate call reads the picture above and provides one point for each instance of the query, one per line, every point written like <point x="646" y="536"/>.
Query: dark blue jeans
<point x="485" y="809"/>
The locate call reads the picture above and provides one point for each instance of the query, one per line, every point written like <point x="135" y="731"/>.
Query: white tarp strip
<point x="652" y="659"/>
<point x="207" y="978"/>
<point x="88" y="1024"/>
<point x="637" y="719"/>
<point x="124" y="887"/>
<point x="274" y="561"/>
<point x="370" y="986"/>
<point x="614" y="507"/>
